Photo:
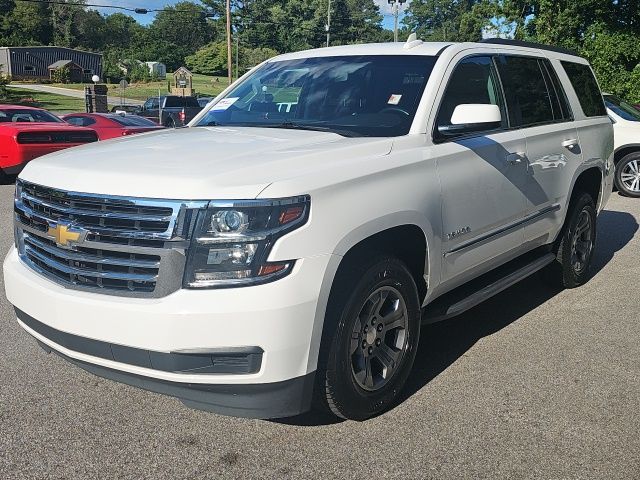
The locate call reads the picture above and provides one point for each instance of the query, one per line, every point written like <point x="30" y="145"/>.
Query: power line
<point x="140" y="11"/>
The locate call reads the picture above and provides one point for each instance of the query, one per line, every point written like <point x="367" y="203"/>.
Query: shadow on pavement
<point x="441" y="344"/>
<point x="8" y="179"/>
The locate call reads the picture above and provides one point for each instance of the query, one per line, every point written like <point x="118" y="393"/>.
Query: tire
<point x="170" y="123"/>
<point x="627" y="175"/>
<point x="574" y="249"/>
<point x="372" y="328"/>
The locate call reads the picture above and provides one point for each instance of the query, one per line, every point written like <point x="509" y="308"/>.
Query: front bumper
<point x="277" y="320"/>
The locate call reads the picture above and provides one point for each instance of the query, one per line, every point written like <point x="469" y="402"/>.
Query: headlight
<point x="232" y="241"/>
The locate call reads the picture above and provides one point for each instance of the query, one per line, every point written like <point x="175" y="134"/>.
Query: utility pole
<point x="328" y="25"/>
<point x="229" y="58"/>
<point x="395" y="8"/>
<point x="237" y="53"/>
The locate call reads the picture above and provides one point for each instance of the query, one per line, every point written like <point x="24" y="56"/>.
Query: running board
<point x="477" y="291"/>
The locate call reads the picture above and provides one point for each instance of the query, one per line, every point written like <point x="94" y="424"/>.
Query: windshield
<point x="23" y="115"/>
<point x="353" y="96"/>
<point x="622" y="109"/>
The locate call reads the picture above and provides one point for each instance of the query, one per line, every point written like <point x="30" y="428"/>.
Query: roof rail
<point x="522" y="43"/>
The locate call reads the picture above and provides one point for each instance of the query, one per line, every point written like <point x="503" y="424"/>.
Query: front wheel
<point x="627" y="175"/>
<point x="374" y="317"/>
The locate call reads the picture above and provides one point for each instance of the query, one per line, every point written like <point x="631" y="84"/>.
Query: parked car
<point x="28" y="132"/>
<point x="263" y="260"/>
<point x="133" y="109"/>
<point x="204" y="101"/>
<point x="112" y="125"/>
<point x="171" y="110"/>
<point x="626" y="128"/>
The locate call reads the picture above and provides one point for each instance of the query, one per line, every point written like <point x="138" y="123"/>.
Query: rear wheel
<point x="574" y="250"/>
<point x="627" y="175"/>
<point x="374" y="321"/>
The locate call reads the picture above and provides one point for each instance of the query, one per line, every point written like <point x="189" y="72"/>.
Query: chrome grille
<point x="124" y="246"/>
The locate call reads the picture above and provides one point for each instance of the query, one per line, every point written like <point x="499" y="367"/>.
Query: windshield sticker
<point x="224" y="104"/>
<point x="394" y="99"/>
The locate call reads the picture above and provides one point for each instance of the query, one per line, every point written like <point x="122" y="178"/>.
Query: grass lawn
<point x="50" y="101"/>
<point x="204" y="85"/>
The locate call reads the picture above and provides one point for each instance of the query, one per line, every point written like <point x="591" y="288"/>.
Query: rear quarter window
<point x="586" y="87"/>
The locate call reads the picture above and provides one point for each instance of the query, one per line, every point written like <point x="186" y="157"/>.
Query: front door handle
<point x="515" y="158"/>
<point x="570" y="143"/>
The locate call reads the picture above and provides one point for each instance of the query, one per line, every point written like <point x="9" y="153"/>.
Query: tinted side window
<point x="586" y="87"/>
<point x="473" y="81"/>
<point x="561" y="108"/>
<point x="528" y="99"/>
<point x="77" y="121"/>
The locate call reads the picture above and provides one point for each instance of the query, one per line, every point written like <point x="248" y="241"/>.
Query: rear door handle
<point x="570" y="143"/>
<point x="515" y="158"/>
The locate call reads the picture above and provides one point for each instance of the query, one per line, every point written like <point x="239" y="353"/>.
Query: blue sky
<point x="385" y="9"/>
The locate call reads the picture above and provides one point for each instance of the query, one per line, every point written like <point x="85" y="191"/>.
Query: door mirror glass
<point x="472" y="117"/>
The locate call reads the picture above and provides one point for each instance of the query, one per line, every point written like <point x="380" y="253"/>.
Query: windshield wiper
<point x="306" y="126"/>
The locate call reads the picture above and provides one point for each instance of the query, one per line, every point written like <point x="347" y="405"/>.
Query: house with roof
<point x="38" y="63"/>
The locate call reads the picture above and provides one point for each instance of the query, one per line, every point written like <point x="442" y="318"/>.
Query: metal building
<point x="33" y="63"/>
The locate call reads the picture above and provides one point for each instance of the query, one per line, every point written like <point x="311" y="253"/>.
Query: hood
<point x="198" y="163"/>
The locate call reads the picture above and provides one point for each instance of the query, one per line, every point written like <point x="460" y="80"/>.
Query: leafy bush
<point x="4" y="81"/>
<point x="139" y="73"/>
<point x="61" y="75"/>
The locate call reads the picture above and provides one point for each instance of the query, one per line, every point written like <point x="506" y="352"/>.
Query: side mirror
<point x="472" y="117"/>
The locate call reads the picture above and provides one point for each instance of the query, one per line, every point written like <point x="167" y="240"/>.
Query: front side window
<point x="586" y="87"/>
<point x="372" y="95"/>
<point x="474" y="81"/>
<point x="621" y="108"/>
<point x="528" y="99"/>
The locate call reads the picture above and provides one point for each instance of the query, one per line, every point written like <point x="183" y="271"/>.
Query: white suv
<point x="287" y="246"/>
<point x="626" y="128"/>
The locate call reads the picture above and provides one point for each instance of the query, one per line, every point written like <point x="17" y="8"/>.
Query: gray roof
<point x="61" y="63"/>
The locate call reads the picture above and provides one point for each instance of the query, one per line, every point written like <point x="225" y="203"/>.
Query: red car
<point x="112" y="125"/>
<point x="27" y="133"/>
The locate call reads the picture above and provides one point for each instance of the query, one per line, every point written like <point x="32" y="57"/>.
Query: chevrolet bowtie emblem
<point x="63" y="234"/>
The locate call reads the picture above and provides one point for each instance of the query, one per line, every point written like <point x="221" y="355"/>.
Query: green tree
<point x="62" y="21"/>
<point x="176" y="33"/>
<point x="209" y="60"/>
<point x="451" y="20"/>
<point x="26" y="24"/>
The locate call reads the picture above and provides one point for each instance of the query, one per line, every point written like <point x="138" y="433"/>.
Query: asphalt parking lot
<point x="534" y="383"/>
